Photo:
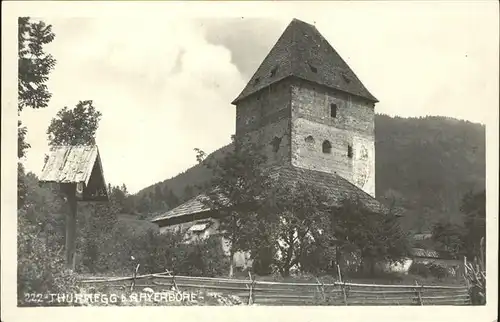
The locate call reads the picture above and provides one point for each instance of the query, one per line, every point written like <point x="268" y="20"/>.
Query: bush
<point x="437" y="270"/>
<point x="419" y="269"/>
<point x="156" y="253"/>
<point x="40" y="268"/>
<point x="429" y="269"/>
<point x="203" y="258"/>
<point x="263" y="261"/>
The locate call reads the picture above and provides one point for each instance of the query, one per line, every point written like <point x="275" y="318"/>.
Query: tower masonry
<point x="309" y="109"/>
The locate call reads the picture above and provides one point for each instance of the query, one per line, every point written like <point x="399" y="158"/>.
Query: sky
<point x="164" y="86"/>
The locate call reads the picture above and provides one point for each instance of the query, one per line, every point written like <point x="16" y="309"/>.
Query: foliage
<point x="41" y="268"/>
<point x="22" y="145"/>
<point x="420" y="269"/>
<point x="451" y="161"/>
<point x="474" y="209"/>
<point x="21" y="185"/>
<point x="458" y="239"/>
<point x="300" y="212"/>
<point x="429" y="269"/>
<point x="77" y="126"/>
<point x="475" y="275"/>
<point x="377" y="236"/>
<point x="449" y="237"/>
<point x="237" y="190"/>
<point x="157" y="252"/>
<point x="437" y="270"/>
<point x="34" y="64"/>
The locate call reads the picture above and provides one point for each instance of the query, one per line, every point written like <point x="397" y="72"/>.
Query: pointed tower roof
<point x="303" y="52"/>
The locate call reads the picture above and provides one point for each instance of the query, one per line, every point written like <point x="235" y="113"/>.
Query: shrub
<point x="203" y="258"/>
<point x="419" y="269"/>
<point x="429" y="269"/>
<point x="41" y="268"/>
<point x="263" y="260"/>
<point x="157" y="252"/>
<point x="437" y="270"/>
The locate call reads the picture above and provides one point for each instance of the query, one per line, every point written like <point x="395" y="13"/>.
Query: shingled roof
<point x="336" y="188"/>
<point x="71" y="164"/>
<point x="303" y="52"/>
<point x="192" y="206"/>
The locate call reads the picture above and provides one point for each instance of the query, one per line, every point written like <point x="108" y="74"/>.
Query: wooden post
<point x="322" y="289"/>
<point x="69" y="190"/>
<point x="418" y="293"/>
<point x="342" y="285"/>
<point x="251" y="296"/>
<point x="135" y="276"/>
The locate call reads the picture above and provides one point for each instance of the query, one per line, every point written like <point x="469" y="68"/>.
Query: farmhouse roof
<point x="303" y="52"/>
<point x="336" y="187"/>
<point x="71" y="164"/>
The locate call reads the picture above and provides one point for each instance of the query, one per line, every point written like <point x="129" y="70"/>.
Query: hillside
<point x="424" y="164"/>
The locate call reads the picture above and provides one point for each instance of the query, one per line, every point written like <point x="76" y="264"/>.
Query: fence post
<point x="135" y="276"/>
<point x="418" y="293"/>
<point x="322" y="289"/>
<point x="251" y="296"/>
<point x="342" y="285"/>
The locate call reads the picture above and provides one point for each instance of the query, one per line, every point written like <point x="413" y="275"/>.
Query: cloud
<point x="161" y="87"/>
<point x="249" y="39"/>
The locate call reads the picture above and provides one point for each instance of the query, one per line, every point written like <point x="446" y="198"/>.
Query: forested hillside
<point x="425" y="165"/>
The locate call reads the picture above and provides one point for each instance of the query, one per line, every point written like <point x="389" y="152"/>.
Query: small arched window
<point x="349" y="151"/>
<point x="309" y="139"/>
<point x="333" y="110"/>
<point x="327" y="147"/>
<point x="275" y="143"/>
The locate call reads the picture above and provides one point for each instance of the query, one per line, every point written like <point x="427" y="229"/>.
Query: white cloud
<point x="154" y="113"/>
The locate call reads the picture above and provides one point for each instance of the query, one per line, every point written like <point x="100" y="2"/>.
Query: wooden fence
<point x="252" y="291"/>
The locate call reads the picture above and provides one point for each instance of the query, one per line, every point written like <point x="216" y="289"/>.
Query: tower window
<point x="346" y="78"/>
<point x="313" y="69"/>
<point x="327" y="147"/>
<point x="256" y="81"/>
<point x="273" y="71"/>
<point x="275" y="143"/>
<point x="333" y="110"/>
<point x="309" y="139"/>
<point x="349" y="151"/>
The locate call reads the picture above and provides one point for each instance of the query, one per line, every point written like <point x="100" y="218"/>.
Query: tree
<point x="75" y="127"/>
<point x="34" y="64"/>
<point x="236" y="192"/>
<point x="34" y="67"/>
<point x="377" y="236"/>
<point x="474" y="209"/>
<point x="300" y="212"/>
<point x="449" y="237"/>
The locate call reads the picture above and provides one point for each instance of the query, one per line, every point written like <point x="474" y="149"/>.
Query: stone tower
<point x="306" y="105"/>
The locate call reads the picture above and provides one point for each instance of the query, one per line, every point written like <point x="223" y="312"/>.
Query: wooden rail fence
<point x="252" y="291"/>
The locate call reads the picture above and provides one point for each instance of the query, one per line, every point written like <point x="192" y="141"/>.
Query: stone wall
<point x="264" y="118"/>
<point x="292" y="120"/>
<point x="353" y="125"/>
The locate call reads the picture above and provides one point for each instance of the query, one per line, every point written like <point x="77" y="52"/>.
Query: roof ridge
<point x="299" y="45"/>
